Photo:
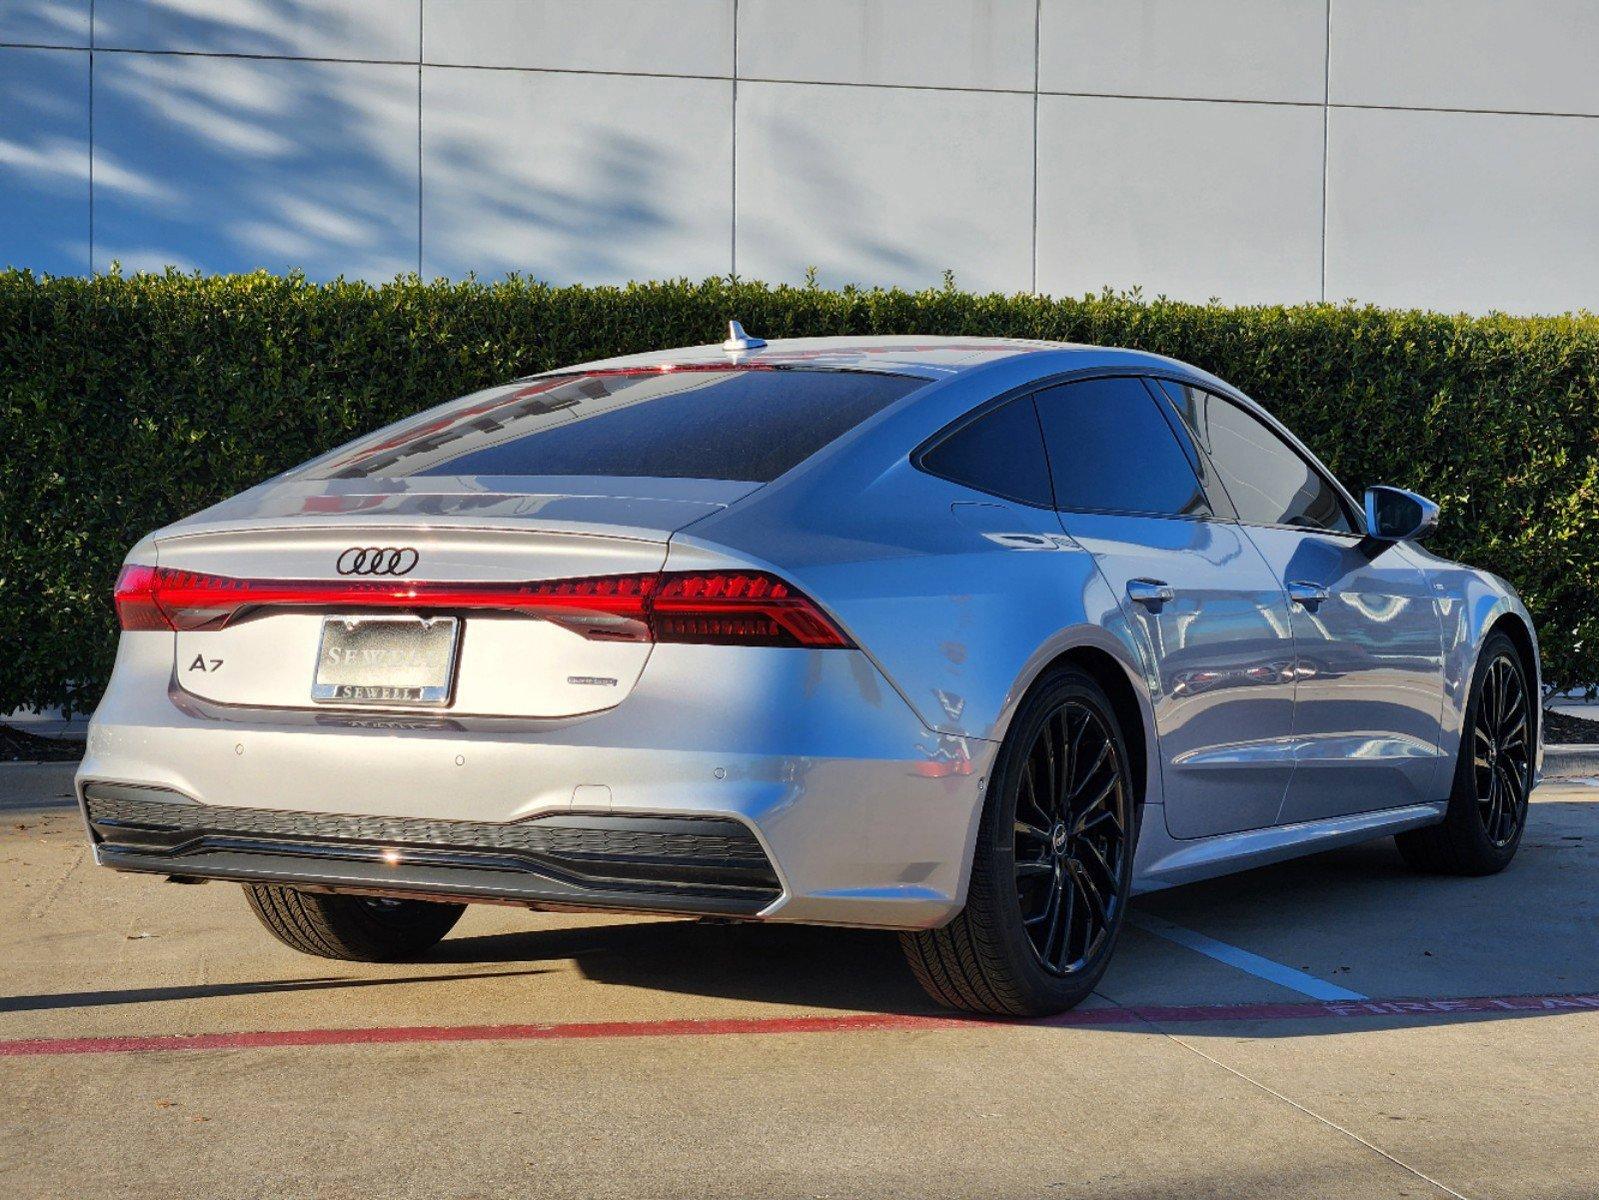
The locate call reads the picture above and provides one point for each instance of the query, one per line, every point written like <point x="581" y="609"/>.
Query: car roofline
<point x="931" y="358"/>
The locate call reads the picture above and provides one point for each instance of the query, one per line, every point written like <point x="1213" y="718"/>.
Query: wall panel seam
<point x="420" y="7"/>
<point x="732" y="255"/>
<point x="91" y="136"/>
<point x="1467" y="112"/>
<point x="1185" y="99"/>
<point x="1326" y="117"/>
<point x="1038" y="24"/>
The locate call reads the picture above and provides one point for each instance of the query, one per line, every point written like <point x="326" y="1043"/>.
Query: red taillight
<point x="136" y="606"/>
<point x="741" y="608"/>
<point x="749" y="608"/>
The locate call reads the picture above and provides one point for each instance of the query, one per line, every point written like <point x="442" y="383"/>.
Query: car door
<point x="1369" y="645"/>
<point x="1196" y="594"/>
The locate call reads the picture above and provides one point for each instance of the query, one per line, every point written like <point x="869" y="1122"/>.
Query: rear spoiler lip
<point x="185" y="530"/>
<point x="636" y="509"/>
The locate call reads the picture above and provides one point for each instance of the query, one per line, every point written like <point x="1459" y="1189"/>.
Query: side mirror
<point x="1395" y="515"/>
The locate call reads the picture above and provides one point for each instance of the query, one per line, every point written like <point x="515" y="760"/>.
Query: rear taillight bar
<point x="749" y="608"/>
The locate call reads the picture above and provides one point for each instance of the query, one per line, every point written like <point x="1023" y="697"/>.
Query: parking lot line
<point x="1242" y="960"/>
<point x="1131" y="1015"/>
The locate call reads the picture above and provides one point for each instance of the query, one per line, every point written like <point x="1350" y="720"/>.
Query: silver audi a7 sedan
<point x="967" y="638"/>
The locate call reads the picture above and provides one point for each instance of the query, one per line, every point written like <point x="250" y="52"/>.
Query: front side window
<point x="1001" y="452"/>
<point x="1111" y="449"/>
<point x="730" y="423"/>
<point x="1268" y="481"/>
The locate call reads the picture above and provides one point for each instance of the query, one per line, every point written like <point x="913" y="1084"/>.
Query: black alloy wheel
<point x="1501" y="749"/>
<point x="1052" y="866"/>
<point x="1488" y="798"/>
<point x="1072" y="817"/>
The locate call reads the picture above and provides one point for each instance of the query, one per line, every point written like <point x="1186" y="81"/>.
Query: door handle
<point x="1153" y="594"/>
<point x="1308" y="595"/>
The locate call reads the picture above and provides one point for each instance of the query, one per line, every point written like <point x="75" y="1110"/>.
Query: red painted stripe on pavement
<point x="864" y="1023"/>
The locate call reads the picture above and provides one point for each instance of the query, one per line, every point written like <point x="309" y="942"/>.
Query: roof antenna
<point x="737" y="339"/>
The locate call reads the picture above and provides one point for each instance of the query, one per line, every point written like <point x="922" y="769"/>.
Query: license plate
<point x="385" y="660"/>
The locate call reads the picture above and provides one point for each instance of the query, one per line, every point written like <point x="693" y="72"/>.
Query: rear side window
<point x="1001" y="452"/>
<point x="1268" y="481"/>
<point x="744" y="424"/>
<point x="1111" y="449"/>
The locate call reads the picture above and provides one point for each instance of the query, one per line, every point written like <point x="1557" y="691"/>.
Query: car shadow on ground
<point x="806" y="966"/>
<point x="1344" y="903"/>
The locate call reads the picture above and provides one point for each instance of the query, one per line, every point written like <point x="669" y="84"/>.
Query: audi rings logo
<point x="377" y="560"/>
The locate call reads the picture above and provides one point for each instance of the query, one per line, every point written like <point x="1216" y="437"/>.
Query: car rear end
<point x="465" y="659"/>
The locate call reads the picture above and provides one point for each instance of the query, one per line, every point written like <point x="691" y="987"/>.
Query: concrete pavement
<point x="815" y="1067"/>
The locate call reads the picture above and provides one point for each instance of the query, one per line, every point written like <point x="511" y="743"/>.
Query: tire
<point x="991" y="958"/>
<point x="352" y="928"/>
<point x="1487" y="811"/>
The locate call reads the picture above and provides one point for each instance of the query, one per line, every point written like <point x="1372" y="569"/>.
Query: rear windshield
<point x="741" y="424"/>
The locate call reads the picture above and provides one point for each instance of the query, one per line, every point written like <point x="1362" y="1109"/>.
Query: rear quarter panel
<point x="962" y="598"/>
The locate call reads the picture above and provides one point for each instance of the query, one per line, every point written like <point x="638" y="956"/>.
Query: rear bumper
<point x="680" y="864"/>
<point x="834" y="803"/>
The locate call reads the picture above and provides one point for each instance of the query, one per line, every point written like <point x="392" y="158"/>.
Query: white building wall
<point x="1435" y="153"/>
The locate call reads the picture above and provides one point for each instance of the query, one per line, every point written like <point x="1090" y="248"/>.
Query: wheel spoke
<point x="1068" y="760"/>
<point x="1490" y="818"/>
<point x="1099" y="799"/>
<point x="1051" y="902"/>
<point x="1091" y="893"/>
<point x="1092" y="855"/>
<point x="1510" y="788"/>
<point x="1096" y="915"/>
<point x="1052" y="775"/>
<point x="1061" y="957"/>
<point x="1077" y="743"/>
<point x="1030" y="792"/>
<point x="1086" y="825"/>
<point x="1496" y="814"/>
<point x="1513" y="783"/>
<point x="1056" y="894"/>
<point x="1483" y="744"/>
<point x="1085" y="777"/>
<point x="1513" y="721"/>
<point x="1516" y="735"/>
<point x="1023" y="829"/>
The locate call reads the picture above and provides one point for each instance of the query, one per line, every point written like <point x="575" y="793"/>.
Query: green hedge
<point x="127" y="402"/>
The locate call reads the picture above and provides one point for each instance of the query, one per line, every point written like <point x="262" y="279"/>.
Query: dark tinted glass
<point x="1110" y="448"/>
<point x="1267" y="480"/>
<point x="1001" y="452"/>
<point x="749" y="425"/>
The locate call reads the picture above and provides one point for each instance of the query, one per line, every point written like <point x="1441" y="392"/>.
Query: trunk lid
<point x="444" y="531"/>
